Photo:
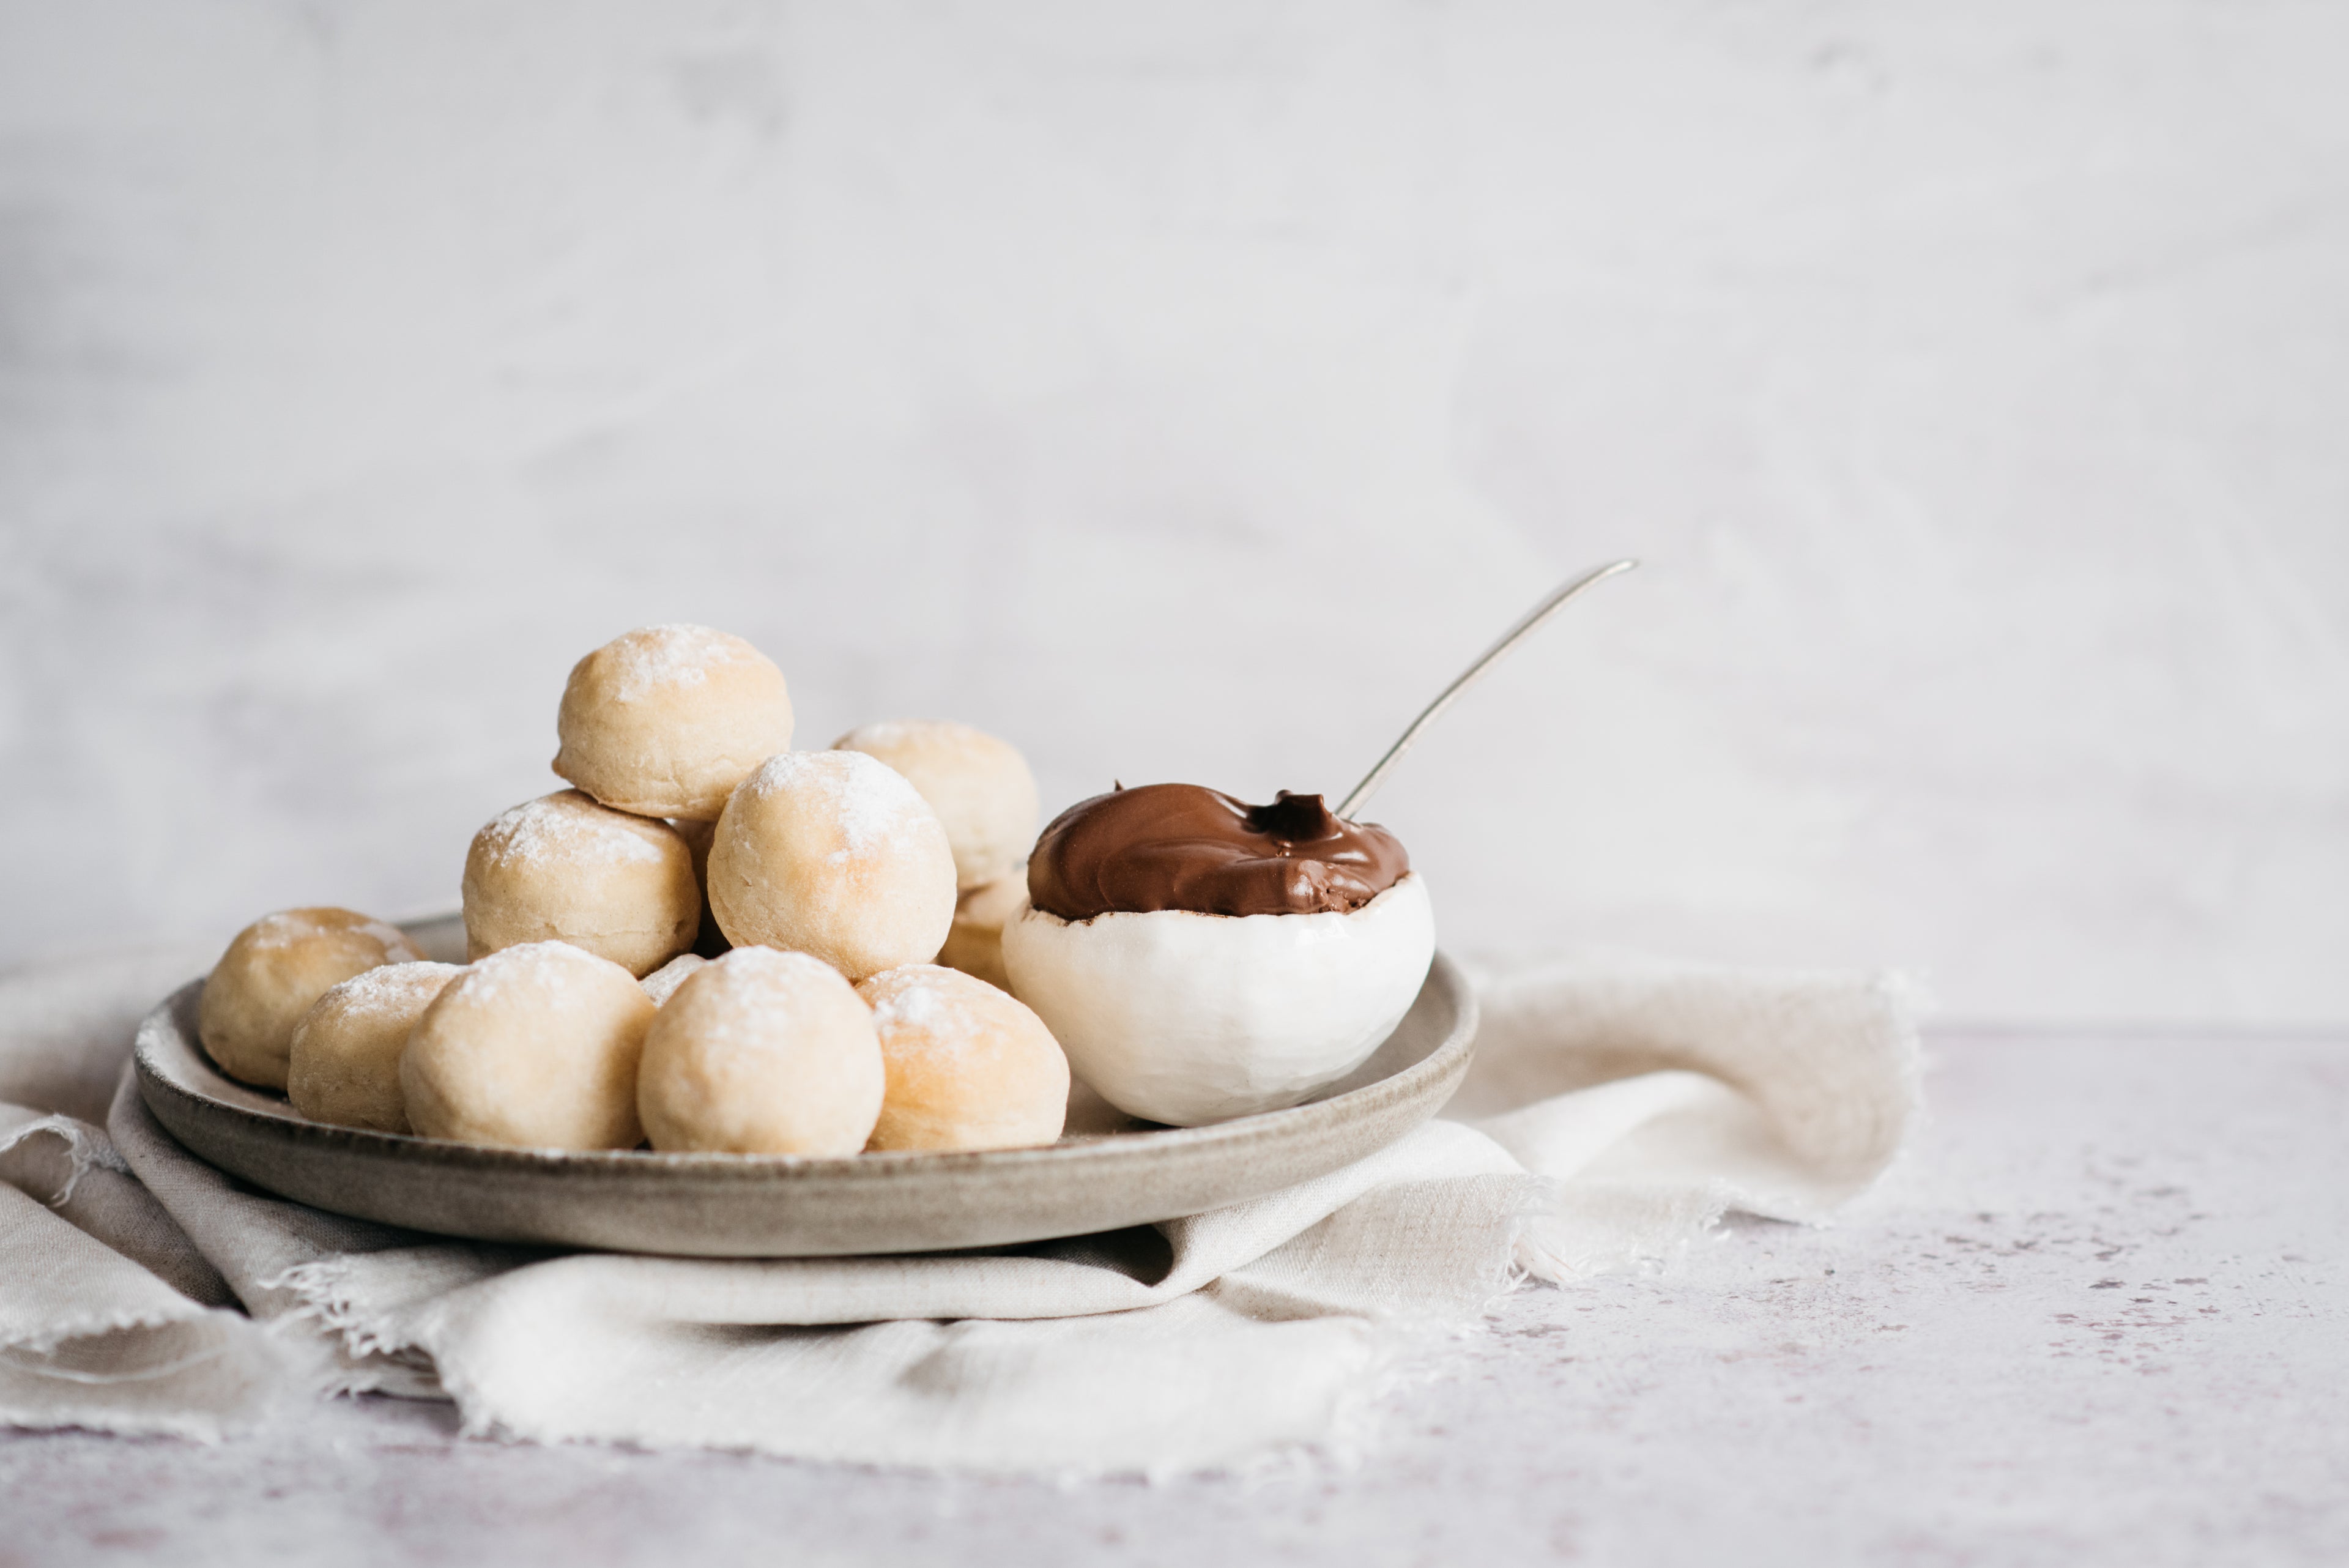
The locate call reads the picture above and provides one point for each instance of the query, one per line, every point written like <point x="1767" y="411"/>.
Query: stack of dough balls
<point x="710" y="941"/>
<point x="655" y="728"/>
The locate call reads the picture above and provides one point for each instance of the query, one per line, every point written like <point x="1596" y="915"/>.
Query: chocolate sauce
<point x="1182" y="846"/>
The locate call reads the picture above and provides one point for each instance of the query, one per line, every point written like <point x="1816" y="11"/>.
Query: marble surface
<point x="1971" y="380"/>
<point x="2101" y="1316"/>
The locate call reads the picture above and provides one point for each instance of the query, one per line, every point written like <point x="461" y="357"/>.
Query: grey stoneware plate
<point x="1106" y="1175"/>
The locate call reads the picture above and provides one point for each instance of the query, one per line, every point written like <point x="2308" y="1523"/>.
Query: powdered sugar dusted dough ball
<point x="664" y="721"/>
<point x="979" y="786"/>
<point x="532" y="1047"/>
<point x="272" y="971"/>
<point x="345" y="1063"/>
<point x="562" y="868"/>
<point x="834" y="853"/>
<point x="968" y="1067"/>
<point x="762" y="1052"/>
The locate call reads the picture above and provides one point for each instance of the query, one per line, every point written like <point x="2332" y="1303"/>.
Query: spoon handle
<point x="1535" y="619"/>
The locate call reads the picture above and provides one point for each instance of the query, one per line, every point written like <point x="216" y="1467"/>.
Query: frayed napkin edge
<point x="87" y="1148"/>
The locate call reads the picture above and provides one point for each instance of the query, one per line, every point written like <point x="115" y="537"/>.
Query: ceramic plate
<point x="1111" y="1174"/>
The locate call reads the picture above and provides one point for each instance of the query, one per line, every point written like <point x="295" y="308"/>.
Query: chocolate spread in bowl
<point x="1185" y="847"/>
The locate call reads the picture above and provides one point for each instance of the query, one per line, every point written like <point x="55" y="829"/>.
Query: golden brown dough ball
<point x="562" y="869"/>
<point x="975" y="943"/>
<point x="664" y="721"/>
<point x="979" y="786"/>
<point x="345" y="1063"/>
<point x="834" y="853"/>
<point x="532" y="1047"/>
<point x="970" y="1067"/>
<point x="272" y="971"/>
<point x="761" y="1053"/>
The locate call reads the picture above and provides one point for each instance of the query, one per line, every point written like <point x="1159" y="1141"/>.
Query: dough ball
<point x="762" y="1052"/>
<point x="662" y="984"/>
<point x="562" y="868"/>
<point x="1186" y="1018"/>
<point x="834" y="853"/>
<point x="975" y="943"/>
<point x="968" y="1067"/>
<point x="344" y="1065"/>
<point x="533" y="1048"/>
<point x="664" y="721"/>
<point x="979" y="786"/>
<point x="272" y="971"/>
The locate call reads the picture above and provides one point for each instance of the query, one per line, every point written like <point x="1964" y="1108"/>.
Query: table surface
<point x="2095" y="1316"/>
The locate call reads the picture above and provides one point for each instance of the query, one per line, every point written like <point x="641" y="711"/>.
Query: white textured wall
<point x="1183" y="392"/>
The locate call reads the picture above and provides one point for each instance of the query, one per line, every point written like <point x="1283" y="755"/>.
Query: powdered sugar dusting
<point x="287" y="928"/>
<point x="654" y="657"/>
<point x="914" y="1006"/>
<point x="881" y="732"/>
<point x="924" y="1007"/>
<point x="866" y="799"/>
<point x="281" y="929"/>
<point x="568" y="828"/>
<point x="390" y="988"/>
<point x="764" y="999"/>
<point x="532" y="967"/>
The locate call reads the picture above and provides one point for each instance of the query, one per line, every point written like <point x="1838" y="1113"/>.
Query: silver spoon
<point x="1535" y="619"/>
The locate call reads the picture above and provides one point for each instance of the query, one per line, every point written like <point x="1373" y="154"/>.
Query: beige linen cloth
<point x="1618" y="1107"/>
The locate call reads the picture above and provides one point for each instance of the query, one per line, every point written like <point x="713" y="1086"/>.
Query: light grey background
<point x="1184" y="392"/>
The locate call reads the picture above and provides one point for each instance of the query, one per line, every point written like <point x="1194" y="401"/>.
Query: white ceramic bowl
<point x="1187" y="1019"/>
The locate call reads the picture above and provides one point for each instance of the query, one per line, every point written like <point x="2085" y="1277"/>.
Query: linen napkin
<point x="1617" y="1106"/>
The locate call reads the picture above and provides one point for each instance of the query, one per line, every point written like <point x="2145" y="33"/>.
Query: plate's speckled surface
<point x="746" y="1206"/>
